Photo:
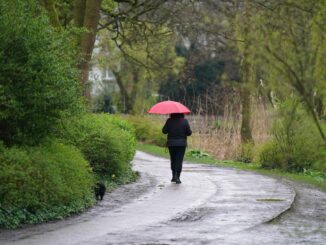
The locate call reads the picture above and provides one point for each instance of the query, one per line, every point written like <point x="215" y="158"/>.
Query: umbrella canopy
<point x="168" y="107"/>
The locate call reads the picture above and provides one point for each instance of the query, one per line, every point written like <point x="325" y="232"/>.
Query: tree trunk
<point x="317" y="123"/>
<point x="135" y="88"/>
<point x="79" y="12"/>
<point x="124" y="96"/>
<point x="91" y="11"/>
<point x="246" y="136"/>
<point x="245" y="73"/>
<point x="49" y="5"/>
<point x="86" y="14"/>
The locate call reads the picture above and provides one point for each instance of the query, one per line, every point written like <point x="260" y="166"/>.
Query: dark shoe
<point x="174" y="177"/>
<point x="178" y="181"/>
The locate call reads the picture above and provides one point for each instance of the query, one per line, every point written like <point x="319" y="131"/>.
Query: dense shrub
<point x="41" y="183"/>
<point x="320" y="164"/>
<point x="148" y="131"/>
<point x="196" y="153"/>
<point x="102" y="102"/>
<point x="295" y="144"/>
<point x="107" y="142"/>
<point x="246" y="153"/>
<point x="271" y="156"/>
<point x="121" y="123"/>
<point x="37" y="73"/>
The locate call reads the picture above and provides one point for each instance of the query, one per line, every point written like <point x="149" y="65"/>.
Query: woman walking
<point x="177" y="128"/>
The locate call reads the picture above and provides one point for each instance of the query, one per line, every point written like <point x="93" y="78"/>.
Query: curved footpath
<point x="212" y="206"/>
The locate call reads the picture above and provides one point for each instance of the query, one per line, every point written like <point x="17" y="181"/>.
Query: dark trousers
<point x="176" y="155"/>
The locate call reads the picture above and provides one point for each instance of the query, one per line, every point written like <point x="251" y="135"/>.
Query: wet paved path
<point x="211" y="206"/>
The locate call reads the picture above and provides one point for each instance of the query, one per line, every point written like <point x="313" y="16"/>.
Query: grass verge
<point x="112" y="182"/>
<point x="310" y="178"/>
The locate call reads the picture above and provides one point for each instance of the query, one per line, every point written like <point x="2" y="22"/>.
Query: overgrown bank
<point x="52" y="151"/>
<point x="56" y="178"/>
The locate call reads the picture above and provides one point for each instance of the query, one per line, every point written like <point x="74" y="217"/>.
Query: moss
<point x="269" y="200"/>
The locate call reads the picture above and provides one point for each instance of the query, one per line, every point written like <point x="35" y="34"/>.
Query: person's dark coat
<point x="177" y="129"/>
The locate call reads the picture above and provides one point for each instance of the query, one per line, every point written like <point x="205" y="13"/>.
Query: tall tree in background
<point x="93" y="15"/>
<point x="85" y="14"/>
<point x="206" y="41"/>
<point x="288" y="44"/>
<point x="139" y="64"/>
<point x="245" y="71"/>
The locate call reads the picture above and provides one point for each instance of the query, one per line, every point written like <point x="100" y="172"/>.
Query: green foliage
<point x="209" y="71"/>
<point x="41" y="183"/>
<point x="103" y="102"/>
<point x="206" y="75"/>
<point x="122" y="124"/>
<point x="295" y="144"/>
<point x="320" y="164"/>
<point x="319" y="176"/>
<point x="147" y="130"/>
<point x="107" y="142"/>
<point x="37" y="74"/>
<point x="246" y="153"/>
<point x="217" y="124"/>
<point x="109" y="5"/>
<point x="113" y="181"/>
<point x="197" y="154"/>
<point x="271" y="156"/>
<point x="137" y="65"/>
<point x="286" y="49"/>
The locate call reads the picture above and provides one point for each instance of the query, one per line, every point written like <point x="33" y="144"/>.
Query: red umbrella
<point x="168" y="107"/>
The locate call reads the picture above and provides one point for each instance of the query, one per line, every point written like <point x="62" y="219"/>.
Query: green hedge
<point x="295" y="144"/>
<point x="121" y="123"/>
<point x="107" y="142"/>
<point x="148" y="131"/>
<point x="38" y="76"/>
<point x="42" y="183"/>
